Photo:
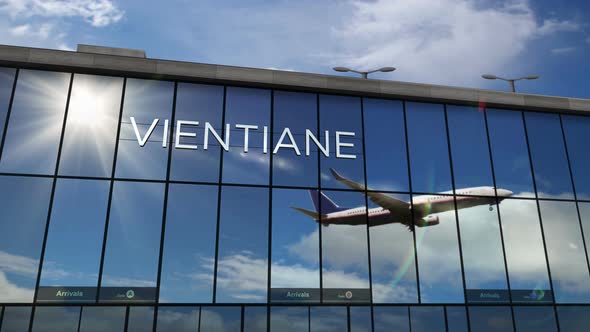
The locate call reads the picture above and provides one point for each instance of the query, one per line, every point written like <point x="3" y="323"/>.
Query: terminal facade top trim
<point x="178" y="70"/>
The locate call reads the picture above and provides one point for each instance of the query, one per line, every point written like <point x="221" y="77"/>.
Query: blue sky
<point x="448" y="42"/>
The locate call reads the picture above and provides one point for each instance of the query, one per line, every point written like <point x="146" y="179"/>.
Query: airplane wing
<point x="396" y="206"/>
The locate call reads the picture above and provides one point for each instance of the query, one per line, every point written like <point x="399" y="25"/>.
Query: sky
<point x="449" y="42"/>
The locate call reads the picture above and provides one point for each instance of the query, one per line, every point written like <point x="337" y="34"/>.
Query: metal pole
<point x="365" y="75"/>
<point x="512" y="86"/>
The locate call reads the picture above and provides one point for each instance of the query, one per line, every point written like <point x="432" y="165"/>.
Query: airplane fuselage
<point x="424" y="208"/>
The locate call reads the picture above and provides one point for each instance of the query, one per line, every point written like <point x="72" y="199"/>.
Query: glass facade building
<point x="134" y="204"/>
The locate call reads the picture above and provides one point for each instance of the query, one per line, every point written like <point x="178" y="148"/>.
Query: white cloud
<point x="551" y="26"/>
<point x="10" y="292"/>
<point x="563" y="50"/>
<point x="98" y="13"/>
<point x="17" y="264"/>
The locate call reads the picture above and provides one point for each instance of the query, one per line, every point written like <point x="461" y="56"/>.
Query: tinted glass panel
<point x="133" y="242"/>
<point x="23" y="213"/>
<point x="360" y="319"/>
<point x="393" y="258"/>
<point x="534" y="319"/>
<point x="342" y="115"/>
<point x="6" y="84"/>
<point x="222" y="319"/>
<point x="565" y="250"/>
<point x="36" y="120"/>
<point x="145" y="101"/>
<point x="577" y="133"/>
<point x="573" y="319"/>
<point x="91" y="126"/>
<point x="189" y="244"/>
<point x="427" y="319"/>
<point x="102" y="319"/>
<point x="584" y="209"/>
<point x="429" y="152"/>
<point x="247" y="161"/>
<point x="298" y="113"/>
<point x="289" y="319"/>
<point x="140" y="319"/>
<point x="512" y="166"/>
<point x="204" y="104"/>
<point x="78" y="215"/>
<point x="548" y="153"/>
<point x="49" y="319"/>
<point x="255" y="319"/>
<point x="439" y="264"/>
<point x="456" y="319"/>
<point x="483" y="257"/>
<point x="387" y="319"/>
<point x="469" y="148"/>
<point x="490" y="319"/>
<point x="385" y="145"/>
<point x="525" y="254"/>
<point x="242" y="268"/>
<point x="295" y="266"/>
<point x="178" y="319"/>
<point x="15" y="319"/>
<point x="345" y="261"/>
<point x="324" y="319"/>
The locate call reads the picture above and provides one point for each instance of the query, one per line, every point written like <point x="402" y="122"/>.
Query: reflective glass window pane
<point x="145" y="101"/>
<point x="573" y="319"/>
<point x="35" y="125"/>
<point x="325" y="319"/>
<point x="490" y="319"/>
<point x="469" y="148"/>
<point x="534" y="319"/>
<point x="49" y="319"/>
<point x="577" y="133"/>
<point x="133" y="242"/>
<point x="386" y="319"/>
<point x="223" y="319"/>
<point x="584" y="209"/>
<point x="385" y="145"/>
<point x="15" y="319"/>
<point x="247" y="111"/>
<point x="141" y="319"/>
<point x="78" y="215"/>
<point x="242" y="269"/>
<point x="341" y="116"/>
<point x="427" y="319"/>
<point x="552" y="175"/>
<point x="294" y="164"/>
<point x="429" y="152"/>
<point x="178" y="319"/>
<point x="360" y="319"/>
<point x="439" y="265"/>
<point x="456" y="319"/>
<point x="295" y="268"/>
<point x="525" y="253"/>
<point x="565" y="250"/>
<point x="189" y="244"/>
<point x="255" y="319"/>
<point x="91" y="127"/>
<point x="481" y="243"/>
<point x="24" y="203"/>
<point x="96" y="319"/>
<point x="345" y="260"/>
<point x="512" y="166"/>
<point x="393" y="258"/>
<point x="289" y="319"/>
<point x="6" y="84"/>
<point x="204" y="104"/>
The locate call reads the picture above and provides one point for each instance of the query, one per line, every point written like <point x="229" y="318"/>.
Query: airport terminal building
<point x="151" y="195"/>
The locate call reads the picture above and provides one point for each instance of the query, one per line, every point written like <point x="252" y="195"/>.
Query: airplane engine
<point x="428" y="221"/>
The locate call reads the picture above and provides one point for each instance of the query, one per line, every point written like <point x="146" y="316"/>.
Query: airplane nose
<point x="505" y="193"/>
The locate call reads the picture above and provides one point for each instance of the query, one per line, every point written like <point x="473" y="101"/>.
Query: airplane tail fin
<point x="322" y="203"/>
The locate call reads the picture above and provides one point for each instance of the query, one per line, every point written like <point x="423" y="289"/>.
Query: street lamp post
<point x="510" y="80"/>
<point x="364" y="74"/>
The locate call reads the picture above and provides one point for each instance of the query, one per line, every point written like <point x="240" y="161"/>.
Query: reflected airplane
<point x="392" y="210"/>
